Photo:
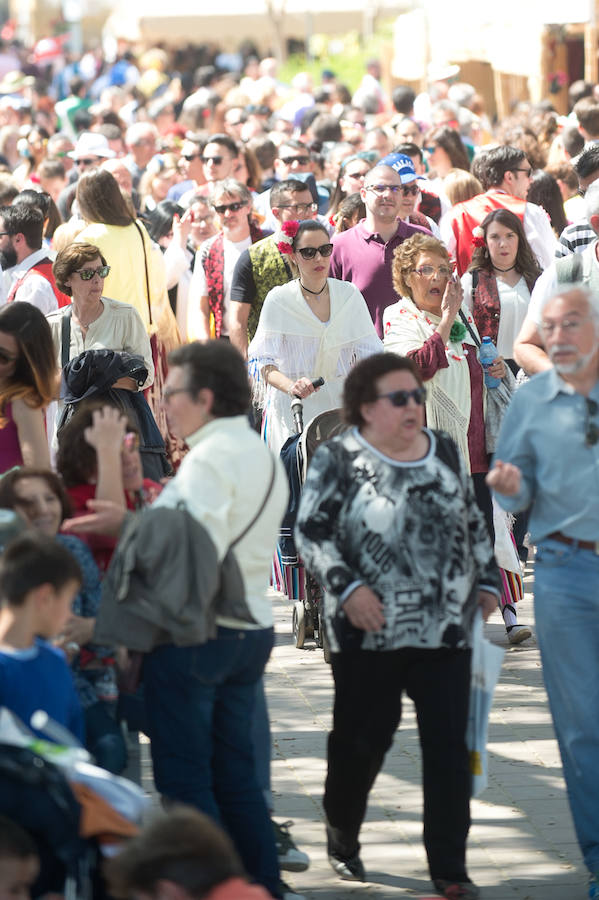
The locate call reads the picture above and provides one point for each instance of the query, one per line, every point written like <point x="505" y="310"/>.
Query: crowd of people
<point x="188" y="246"/>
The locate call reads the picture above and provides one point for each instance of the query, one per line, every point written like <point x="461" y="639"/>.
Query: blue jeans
<point x="104" y="738"/>
<point x="567" y="621"/>
<point x="200" y="703"/>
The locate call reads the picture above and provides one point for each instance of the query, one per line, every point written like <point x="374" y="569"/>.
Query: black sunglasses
<point x="189" y="157"/>
<point x="400" y="398"/>
<point x="591" y="428"/>
<point x="215" y="160"/>
<point x="234" y="207"/>
<point x="300" y="160"/>
<point x="310" y="252"/>
<point x="88" y="274"/>
<point x="88" y="161"/>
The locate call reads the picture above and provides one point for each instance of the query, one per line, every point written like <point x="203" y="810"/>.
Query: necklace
<point x="93" y="319"/>
<point x="316" y="293"/>
<point x="497" y="269"/>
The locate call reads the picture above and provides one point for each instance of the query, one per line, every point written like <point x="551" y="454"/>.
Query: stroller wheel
<point x="299" y="623"/>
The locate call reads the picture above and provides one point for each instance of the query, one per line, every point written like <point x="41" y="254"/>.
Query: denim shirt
<point x="544" y="434"/>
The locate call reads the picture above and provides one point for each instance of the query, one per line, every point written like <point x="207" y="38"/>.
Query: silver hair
<point x="592" y="299"/>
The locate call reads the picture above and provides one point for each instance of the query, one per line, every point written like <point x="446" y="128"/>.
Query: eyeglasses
<point x="3" y="233"/>
<point x="6" y="358"/>
<point x="170" y="392"/>
<point x="300" y="209"/>
<point x="233" y="207"/>
<point x="88" y="161"/>
<point x="401" y="398"/>
<point x="412" y="189"/>
<point x="310" y="252"/>
<point x="215" y="160"/>
<point x="380" y="189"/>
<point x="591" y="436"/>
<point x="131" y="441"/>
<point x="300" y="160"/>
<point x="570" y="326"/>
<point x="527" y="171"/>
<point x="88" y="274"/>
<point x="189" y="157"/>
<point x="429" y="271"/>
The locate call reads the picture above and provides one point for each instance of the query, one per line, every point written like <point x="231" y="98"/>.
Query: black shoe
<point x="349" y="868"/>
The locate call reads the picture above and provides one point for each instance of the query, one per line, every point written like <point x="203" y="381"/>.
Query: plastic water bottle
<point x="487" y="355"/>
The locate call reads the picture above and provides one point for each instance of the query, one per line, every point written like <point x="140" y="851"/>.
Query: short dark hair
<point x="159" y="221"/>
<point x="183" y="846"/>
<point x="403" y="98"/>
<point x="409" y="149"/>
<point x="15" y="842"/>
<point x="9" y="481"/>
<point x="360" y="384"/>
<point x="30" y="561"/>
<point x="26" y="220"/>
<point x="572" y="140"/>
<point x="264" y="150"/>
<point x="280" y="189"/>
<point x="219" y="366"/>
<point x="587" y="162"/>
<point x="223" y="140"/>
<point x="587" y="113"/>
<point x="326" y="127"/>
<point x="492" y="165"/>
<point x="70" y="260"/>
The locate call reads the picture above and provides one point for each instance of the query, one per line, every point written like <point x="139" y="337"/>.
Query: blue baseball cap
<point x="401" y="164"/>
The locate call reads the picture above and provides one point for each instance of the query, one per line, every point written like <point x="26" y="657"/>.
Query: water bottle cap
<point x="486" y="339"/>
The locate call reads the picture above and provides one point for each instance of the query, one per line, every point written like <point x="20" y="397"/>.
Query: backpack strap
<point x="65" y="337"/>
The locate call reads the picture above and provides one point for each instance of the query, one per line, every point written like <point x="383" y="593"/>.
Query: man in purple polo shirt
<point x="363" y="254"/>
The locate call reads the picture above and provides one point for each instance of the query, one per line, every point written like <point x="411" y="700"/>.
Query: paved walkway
<point x="522" y="842"/>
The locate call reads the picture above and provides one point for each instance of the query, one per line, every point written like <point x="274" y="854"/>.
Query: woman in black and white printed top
<point x="388" y="523"/>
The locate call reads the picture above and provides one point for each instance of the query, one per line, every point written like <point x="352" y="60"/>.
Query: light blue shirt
<point x="543" y="433"/>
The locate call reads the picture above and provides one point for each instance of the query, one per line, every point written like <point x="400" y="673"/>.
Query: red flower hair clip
<point x="478" y="237"/>
<point x="284" y="238"/>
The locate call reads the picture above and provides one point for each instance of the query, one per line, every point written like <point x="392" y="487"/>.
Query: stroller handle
<point x="297" y="407"/>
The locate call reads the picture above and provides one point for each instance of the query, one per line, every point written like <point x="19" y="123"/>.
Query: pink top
<point x="10" y="448"/>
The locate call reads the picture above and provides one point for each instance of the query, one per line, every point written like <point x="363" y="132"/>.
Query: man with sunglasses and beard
<point x="363" y="254"/>
<point x="26" y="267"/>
<point x="548" y="456"/>
<point x="210" y="289"/>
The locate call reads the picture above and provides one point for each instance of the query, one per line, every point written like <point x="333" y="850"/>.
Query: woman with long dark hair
<point x="28" y="382"/>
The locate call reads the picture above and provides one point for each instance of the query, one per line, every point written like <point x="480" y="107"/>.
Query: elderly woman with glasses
<point x="96" y="322"/>
<point x="431" y="325"/>
<point x="387" y="523"/>
<point x="312" y="327"/>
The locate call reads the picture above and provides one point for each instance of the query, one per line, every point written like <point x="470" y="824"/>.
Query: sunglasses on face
<point x="401" y="398"/>
<point x="233" y="207"/>
<point x="189" y="157"/>
<point x="88" y="161"/>
<point x="310" y="252"/>
<point x="527" y="171"/>
<point x="412" y="189"/>
<point x="300" y="160"/>
<point x="215" y="160"/>
<point x="88" y="274"/>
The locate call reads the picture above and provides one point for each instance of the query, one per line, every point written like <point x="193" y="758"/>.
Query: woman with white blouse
<point x="500" y="279"/>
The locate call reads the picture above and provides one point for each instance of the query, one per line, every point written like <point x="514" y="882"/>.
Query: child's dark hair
<point x="30" y="561"/>
<point x="15" y="842"/>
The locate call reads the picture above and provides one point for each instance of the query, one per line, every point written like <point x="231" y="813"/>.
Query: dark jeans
<point x="104" y="738"/>
<point x="199" y="704"/>
<point x="367" y="711"/>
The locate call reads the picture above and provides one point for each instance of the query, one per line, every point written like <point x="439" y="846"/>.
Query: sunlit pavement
<point x="522" y="841"/>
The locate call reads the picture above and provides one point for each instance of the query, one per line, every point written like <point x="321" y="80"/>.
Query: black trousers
<point x="367" y="711"/>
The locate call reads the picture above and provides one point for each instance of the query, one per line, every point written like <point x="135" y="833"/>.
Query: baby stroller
<point x="292" y="578"/>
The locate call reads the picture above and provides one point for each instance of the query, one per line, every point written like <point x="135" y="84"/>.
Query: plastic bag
<point x="486" y="666"/>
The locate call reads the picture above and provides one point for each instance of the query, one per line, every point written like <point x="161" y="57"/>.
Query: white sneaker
<point x="518" y="633"/>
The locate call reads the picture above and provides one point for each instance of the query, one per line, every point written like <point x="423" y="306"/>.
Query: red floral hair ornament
<point x="478" y="237"/>
<point x="285" y="236"/>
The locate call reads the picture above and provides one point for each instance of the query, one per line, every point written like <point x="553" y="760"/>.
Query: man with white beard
<point x="548" y="457"/>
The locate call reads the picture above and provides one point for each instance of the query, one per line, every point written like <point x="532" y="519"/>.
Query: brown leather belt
<point x="584" y="545"/>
